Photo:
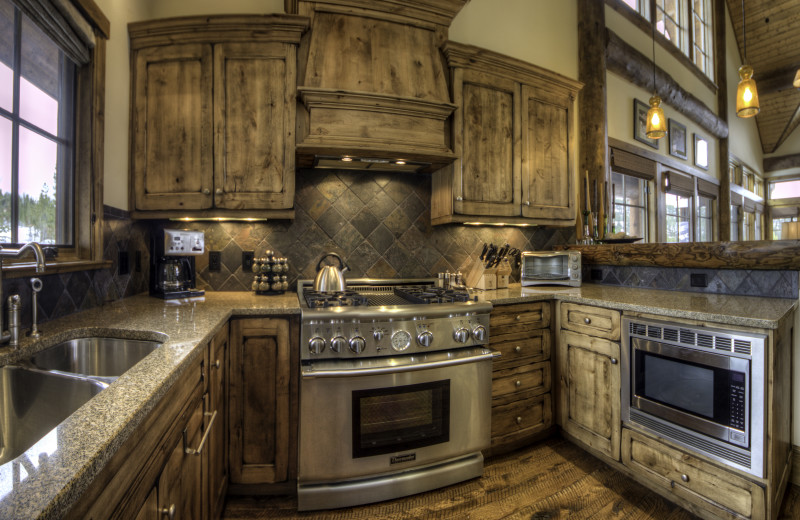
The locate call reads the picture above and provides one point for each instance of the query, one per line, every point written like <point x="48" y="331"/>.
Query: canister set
<point x="270" y="274"/>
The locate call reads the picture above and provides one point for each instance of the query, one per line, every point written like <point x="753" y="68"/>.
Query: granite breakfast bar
<point x="37" y="485"/>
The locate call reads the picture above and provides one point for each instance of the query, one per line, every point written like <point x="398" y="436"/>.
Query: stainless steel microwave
<point x="551" y="268"/>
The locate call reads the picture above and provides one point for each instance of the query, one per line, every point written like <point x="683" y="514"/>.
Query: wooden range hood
<point x="373" y="84"/>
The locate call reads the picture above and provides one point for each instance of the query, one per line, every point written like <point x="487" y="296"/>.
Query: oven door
<point x="701" y="391"/>
<point x="369" y="417"/>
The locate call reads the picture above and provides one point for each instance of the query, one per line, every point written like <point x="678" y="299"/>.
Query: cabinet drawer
<point x="694" y="480"/>
<point x="521" y="418"/>
<point x="521" y="382"/>
<point x="594" y="321"/>
<point x="522" y="348"/>
<point x="509" y="319"/>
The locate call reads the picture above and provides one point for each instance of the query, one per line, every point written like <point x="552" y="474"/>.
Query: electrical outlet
<point x="596" y="275"/>
<point x="247" y="260"/>
<point x="698" y="280"/>
<point x="123" y="264"/>
<point x="215" y="261"/>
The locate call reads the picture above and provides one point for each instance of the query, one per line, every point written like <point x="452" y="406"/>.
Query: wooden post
<point x="724" y="201"/>
<point x="592" y="127"/>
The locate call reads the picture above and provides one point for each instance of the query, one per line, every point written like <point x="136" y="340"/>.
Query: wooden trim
<point x="723" y="213"/>
<point x="95" y="220"/>
<point x="95" y="16"/>
<point x="795" y="477"/>
<point x="440" y="12"/>
<point x="643" y="24"/>
<point x="763" y="254"/>
<point x="672" y="164"/>
<point x="626" y="61"/>
<point x="781" y="162"/>
<point x="215" y="214"/>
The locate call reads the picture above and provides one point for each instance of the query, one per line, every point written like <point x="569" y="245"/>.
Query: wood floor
<point x="551" y="480"/>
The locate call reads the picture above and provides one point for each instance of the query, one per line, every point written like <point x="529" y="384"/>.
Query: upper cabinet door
<point x="487" y="173"/>
<point x="254" y="114"/>
<point x="172" y="140"/>
<point x="548" y="172"/>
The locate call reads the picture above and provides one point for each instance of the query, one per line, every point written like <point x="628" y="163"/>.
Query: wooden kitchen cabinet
<point x="212" y="118"/>
<point x="589" y="376"/>
<point x="216" y="482"/>
<point x="514" y="137"/>
<point x="522" y="409"/>
<point x="263" y="394"/>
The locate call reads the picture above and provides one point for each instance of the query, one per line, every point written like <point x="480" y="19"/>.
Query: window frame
<point x="690" y="219"/>
<point x="622" y="206"/>
<point x="710" y="220"/>
<point x="89" y="129"/>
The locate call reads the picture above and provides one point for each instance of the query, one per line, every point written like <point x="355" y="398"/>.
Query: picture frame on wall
<point x="640" y="124"/>
<point x="700" y="152"/>
<point x="677" y="139"/>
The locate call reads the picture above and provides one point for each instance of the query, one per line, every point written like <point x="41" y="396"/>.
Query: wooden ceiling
<point x="773" y="50"/>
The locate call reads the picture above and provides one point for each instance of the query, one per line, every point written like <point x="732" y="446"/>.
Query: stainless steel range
<point x="395" y="391"/>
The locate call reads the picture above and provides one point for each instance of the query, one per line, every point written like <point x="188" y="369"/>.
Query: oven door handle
<point x="481" y="355"/>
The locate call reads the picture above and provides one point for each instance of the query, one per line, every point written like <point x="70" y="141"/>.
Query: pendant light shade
<point x="656" y="122"/>
<point x="796" y="81"/>
<point x="746" y="94"/>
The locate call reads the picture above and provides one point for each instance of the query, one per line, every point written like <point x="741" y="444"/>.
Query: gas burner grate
<point x="318" y="300"/>
<point x="425" y="294"/>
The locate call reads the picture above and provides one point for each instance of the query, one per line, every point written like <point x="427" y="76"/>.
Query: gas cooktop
<point x="377" y="295"/>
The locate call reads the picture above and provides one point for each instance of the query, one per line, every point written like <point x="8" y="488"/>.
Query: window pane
<point x="784" y="189"/>
<point x="39" y="85"/>
<point x="38" y="158"/>
<point x="6" y="55"/>
<point x="5" y="180"/>
<point x="634" y="191"/>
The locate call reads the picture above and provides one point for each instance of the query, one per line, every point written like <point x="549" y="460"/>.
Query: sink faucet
<point x="5" y="335"/>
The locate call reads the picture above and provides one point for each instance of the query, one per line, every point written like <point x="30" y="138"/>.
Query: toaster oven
<point x="551" y="268"/>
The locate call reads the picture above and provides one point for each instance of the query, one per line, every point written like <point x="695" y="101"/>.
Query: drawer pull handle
<point x="206" y="191"/>
<point x="519" y="420"/>
<point x="685" y="477"/>
<point x="587" y="321"/>
<point x="518" y="383"/>
<point x="517" y="349"/>
<point x="216" y="364"/>
<point x="199" y="450"/>
<point x="169" y="512"/>
<point x="519" y="317"/>
<point x="613" y="361"/>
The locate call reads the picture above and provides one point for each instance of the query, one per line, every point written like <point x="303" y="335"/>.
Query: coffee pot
<point x="330" y="278"/>
<point x="174" y="274"/>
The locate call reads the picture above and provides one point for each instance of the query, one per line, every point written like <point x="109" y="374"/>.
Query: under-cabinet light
<point x="218" y="219"/>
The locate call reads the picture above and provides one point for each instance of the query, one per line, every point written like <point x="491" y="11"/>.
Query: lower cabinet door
<point x="517" y="421"/>
<point x="149" y="510"/>
<point x="180" y="485"/>
<point x="696" y="481"/>
<point x="590" y="391"/>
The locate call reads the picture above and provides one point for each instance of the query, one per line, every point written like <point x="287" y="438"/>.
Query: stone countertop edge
<point x="744" y="311"/>
<point x="90" y="437"/>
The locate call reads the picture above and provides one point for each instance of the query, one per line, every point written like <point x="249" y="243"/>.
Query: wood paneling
<point x="594" y="321"/>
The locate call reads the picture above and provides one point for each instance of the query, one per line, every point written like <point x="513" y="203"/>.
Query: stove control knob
<point x="479" y="333"/>
<point x="338" y="344"/>
<point x="377" y="334"/>
<point x="425" y="338"/>
<point x="316" y="345"/>
<point x="357" y="345"/>
<point x="461" y="335"/>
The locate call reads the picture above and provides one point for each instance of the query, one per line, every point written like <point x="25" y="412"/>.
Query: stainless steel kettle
<point x="330" y="278"/>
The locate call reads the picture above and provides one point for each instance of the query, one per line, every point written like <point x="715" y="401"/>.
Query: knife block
<point x="503" y="273"/>
<point x="482" y="278"/>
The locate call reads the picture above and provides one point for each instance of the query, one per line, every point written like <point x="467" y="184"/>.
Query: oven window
<point x="387" y="420"/>
<point x="713" y="393"/>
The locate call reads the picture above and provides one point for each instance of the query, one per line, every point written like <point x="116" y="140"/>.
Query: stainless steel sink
<point x="95" y="357"/>
<point x="32" y="403"/>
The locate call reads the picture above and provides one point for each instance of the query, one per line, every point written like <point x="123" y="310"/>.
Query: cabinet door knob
<point x="218" y="191"/>
<point x="518" y="383"/>
<point x="685" y="477"/>
<point x="519" y="420"/>
<point x="459" y="198"/>
<point x="527" y="203"/>
<point x="168" y="511"/>
<point x="216" y="364"/>
<point x="517" y="349"/>
<point x="206" y="191"/>
<point x="519" y="317"/>
<point x="587" y="321"/>
<point x="613" y="361"/>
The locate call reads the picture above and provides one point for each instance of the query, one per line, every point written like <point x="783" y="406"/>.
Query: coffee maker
<point x="172" y="266"/>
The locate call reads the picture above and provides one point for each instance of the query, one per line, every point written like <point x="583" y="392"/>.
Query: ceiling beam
<point x="781" y="162"/>
<point x="790" y="126"/>
<point x="626" y="61"/>
<point x="776" y="80"/>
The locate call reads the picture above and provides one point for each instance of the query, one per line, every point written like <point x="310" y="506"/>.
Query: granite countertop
<point x="52" y="475"/>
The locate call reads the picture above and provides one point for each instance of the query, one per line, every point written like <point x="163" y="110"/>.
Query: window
<point x="630" y="205"/>
<point x="670" y="22"/>
<point x="734" y="223"/>
<point x="679" y="218"/>
<point x="777" y="226"/>
<point x="789" y="189"/>
<point x="702" y="37"/>
<point x="640" y="6"/>
<point x="36" y="135"/>
<point x="751" y="226"/>
<point x="705" y="219"/>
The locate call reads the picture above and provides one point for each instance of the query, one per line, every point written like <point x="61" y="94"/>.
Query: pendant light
<point x="796" y="81"/>
<point x="656" y="122"/>
<point x="746" y="93"/>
